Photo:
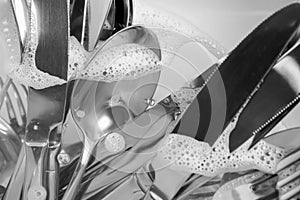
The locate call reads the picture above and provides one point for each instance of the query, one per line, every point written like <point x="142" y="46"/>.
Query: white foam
<point x="128" y="61"/>
<point x="26" y="72"/>
<point x="172" y="32"/>
<point x="215" y="160"/>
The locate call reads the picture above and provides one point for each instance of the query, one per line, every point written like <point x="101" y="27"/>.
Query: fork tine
<point x="295" y="197"/>
<point x="9" y="106"/>
<point x="289" y="179"/>
<point x="289" y="187"/>
<point x="4" y="90"/>
<point x="288" y="160"/>
<point x="20" y="103"/>
<point x="25" y="90"/>
<point x="290" y="194"/>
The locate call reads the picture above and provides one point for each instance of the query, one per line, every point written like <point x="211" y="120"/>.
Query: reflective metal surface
<point x="131" y="173"/>
<point x="90" y="102"/>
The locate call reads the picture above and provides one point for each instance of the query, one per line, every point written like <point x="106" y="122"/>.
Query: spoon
<point x="89" y="105"/>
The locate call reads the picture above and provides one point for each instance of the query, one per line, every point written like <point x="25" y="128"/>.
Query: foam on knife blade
<point x="185" y="153"/>
<point x="172" y="32"/>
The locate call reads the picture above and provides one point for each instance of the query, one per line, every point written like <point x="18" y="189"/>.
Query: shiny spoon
<point x="90" y="101"/>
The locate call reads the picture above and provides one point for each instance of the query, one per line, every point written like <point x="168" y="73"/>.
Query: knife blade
<point x="46" y="107"/>
<point x="279" y="94"/>
<point x="240" y="75"/>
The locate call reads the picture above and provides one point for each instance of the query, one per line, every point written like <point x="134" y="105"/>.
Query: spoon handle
<point x="74" y="184"/>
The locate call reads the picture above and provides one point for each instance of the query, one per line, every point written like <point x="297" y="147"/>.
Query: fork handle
<point x="75" y="182"/>
<point x="34" y="186"/>
<point x="14" y="187"/>
<point x="52" y="172"/>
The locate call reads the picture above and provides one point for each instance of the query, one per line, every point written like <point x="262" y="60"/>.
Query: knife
<point x="237" y="78"/>
<point x="46" y="106"/>
<point x="277" y="96"/>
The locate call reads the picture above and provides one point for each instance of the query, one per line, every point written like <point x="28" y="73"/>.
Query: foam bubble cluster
<point x="26" y="72"/>
<point x="127" y="61"/>
<point x="172" y="32"/>
<point x="77" y="57"/>
<point x="218" y="159"/>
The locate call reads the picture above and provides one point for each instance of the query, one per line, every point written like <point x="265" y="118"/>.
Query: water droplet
<point x="114" y="142"/>
<point x="150" y="102"/>
<point x="80" y="113"/>
<point x="63" y="158"/>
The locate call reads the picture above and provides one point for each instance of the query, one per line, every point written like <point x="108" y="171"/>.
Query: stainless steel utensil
<point x="21" y="11"/>
<point x="278" y="95"/>
<point x="239" y="77"/>
<point x="43" y="119"/>
<point x="13" y="134"/>
<point x="141" y="136"/>
<point x="243" y="72"/>
<point x="87" y="20"/>
<point x="90" y="101"/>
<point x="257" y="185"/>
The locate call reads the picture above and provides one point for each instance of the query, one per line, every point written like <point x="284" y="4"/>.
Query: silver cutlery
<point x="87" y="112"/>
<point x="242" y="72"/>
<point x="100" y="178"/>
<point x="282" y="185"/>
<point x="13" y="133"/>
<point x="87" y="20"/>
<point x="237" y="79"/>
<point x="42" y="119"/>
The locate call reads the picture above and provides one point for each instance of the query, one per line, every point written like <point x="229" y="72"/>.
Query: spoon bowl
<point x="99" y="107"/>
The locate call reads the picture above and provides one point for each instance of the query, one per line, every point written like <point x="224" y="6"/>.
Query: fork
<point x="283" y="185"/>
<point x="18" y="112"/>
<point x="13" y="130"/>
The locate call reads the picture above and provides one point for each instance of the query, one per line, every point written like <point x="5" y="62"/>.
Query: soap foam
<point x="171" y="31"/>
<point x="26" y="72"/>
<point x="122" y="62"/>
<point x="215" y="160"/>
<point x="128" y="61"/>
